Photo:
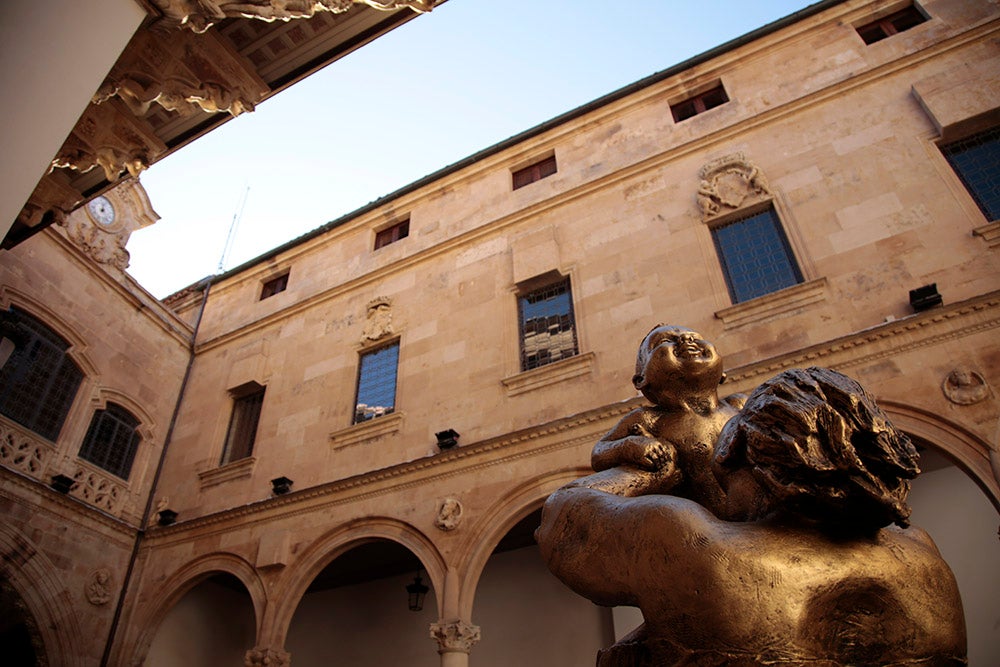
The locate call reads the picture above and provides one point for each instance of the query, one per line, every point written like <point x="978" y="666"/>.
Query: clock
<point x="101" y="210"/>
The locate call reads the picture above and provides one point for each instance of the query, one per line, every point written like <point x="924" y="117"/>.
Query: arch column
<point x="455" y="640"/>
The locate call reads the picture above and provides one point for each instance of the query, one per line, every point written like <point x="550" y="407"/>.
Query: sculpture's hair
<point x="820" y="447"/>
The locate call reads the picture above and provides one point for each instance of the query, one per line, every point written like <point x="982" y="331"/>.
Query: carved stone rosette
<point x="455" y="636"/>
<point x="261" y="656"/>
<point x="728" y="183"/>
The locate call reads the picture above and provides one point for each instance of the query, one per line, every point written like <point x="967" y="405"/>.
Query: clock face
<point x="101" y="210"/>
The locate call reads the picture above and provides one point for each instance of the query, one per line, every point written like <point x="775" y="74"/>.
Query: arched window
<point x="111" y="440"/>
<point x="39" y="381"/>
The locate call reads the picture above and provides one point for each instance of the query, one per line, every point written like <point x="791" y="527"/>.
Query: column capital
<point x="262" y="656"/>
<point x="455" y="636"/>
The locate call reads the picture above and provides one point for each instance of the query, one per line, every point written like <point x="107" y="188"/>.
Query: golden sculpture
<point x="811" y="571"/>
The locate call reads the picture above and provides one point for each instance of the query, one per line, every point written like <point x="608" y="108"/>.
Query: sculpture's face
<point x="674" y="359"/>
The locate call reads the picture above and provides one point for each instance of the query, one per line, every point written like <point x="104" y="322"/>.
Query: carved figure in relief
<point x="964" y="386"/>
<point x="449" y="514"/>
<point x="98" y="589"/>
<point x="378" y="319"/>
<point x="816" y="574"/>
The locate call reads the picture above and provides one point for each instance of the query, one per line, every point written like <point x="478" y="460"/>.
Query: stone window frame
<point x="704" y="98"/>
<point x="534" y="170"/>
<point x="533" y="288"/>
<point x="747" y="213"/>
<point x="275" y="285"/>
<point x="370" y="351"/>
<point x="882" y="27"/>
<point x="43" y="334"/>
<point x="391" y="233"/>
<point x="247" y="407"/>
<point x="102" y="452"/>
<point x="963" y="178"/>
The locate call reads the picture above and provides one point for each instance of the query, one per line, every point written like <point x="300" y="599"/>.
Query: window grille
<point x="976" y="160"/>
<point x="534" y="172"/>
<point x="755" y="256"/>
<point x="111" y="440"/>
<point x="40" y="380"/>
<point x="548" y="330"/>
<point x="242" y="431"/>
<point x="376" y="395"/>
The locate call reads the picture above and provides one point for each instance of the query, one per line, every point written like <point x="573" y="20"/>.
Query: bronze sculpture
<point x="783" y="550"/>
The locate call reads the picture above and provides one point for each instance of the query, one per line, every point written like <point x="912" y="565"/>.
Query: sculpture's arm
<point x="602" y="546"/>
<point x="631" y="443"/>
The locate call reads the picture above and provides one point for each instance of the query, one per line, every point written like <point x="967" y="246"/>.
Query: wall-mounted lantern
<point x="447" y="438"/>
<point x="415" y="594"/>
<point x="281" y="485"/>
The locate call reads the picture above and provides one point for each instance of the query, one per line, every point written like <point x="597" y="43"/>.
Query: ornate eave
<point x="189" y="68"/>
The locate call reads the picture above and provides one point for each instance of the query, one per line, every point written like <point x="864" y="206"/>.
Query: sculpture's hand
<point x="646" y="453"/>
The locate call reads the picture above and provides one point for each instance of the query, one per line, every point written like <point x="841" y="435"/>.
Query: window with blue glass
<point x="755" y="256"/>
<point x="112" y="440"/>
<point x="548" y="330"/>
<point x="976" y="160"/>
<point x="376" y="383"/>
<point x="40" y="380"/>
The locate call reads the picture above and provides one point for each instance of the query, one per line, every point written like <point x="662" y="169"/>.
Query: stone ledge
<point x="369" y="430"/>
<point x="989" y="233"/>
<point x="552" y="373"/>
<point x="769" y="306"/>
<point x="227" y="473"/>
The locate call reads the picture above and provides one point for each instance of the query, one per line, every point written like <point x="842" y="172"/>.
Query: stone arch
<point x="148" y="619"/>
<point x="77" y="342"/>
<point x="969" y="452"/>
<point x="497" y="521"/>
<point x="34" y="578"/>
<point x="329" y="547"/>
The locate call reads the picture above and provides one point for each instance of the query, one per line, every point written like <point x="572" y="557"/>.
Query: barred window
<point x="548" y="330"/>
<point x="242" y="431"/>
<point x="40" y="380"/>
<point x="534" y="172"/>
<point x="112" y="440"/>
<point x="976" y="160"/>
<point x="755" y="256"/>
<point x="376" y="394"/>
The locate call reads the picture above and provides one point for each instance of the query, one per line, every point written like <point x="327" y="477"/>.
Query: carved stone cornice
<point x="111" y="138"/>
<point x="185" y="73"/>
<point x="200" y="16"/>
<point x="455" y="636"/>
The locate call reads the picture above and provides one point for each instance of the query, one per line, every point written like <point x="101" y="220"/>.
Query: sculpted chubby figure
<point x="668" y="446"/>
<point x="807" y="570"/>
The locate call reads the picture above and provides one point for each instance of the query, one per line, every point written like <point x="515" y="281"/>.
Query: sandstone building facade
<point x="397" y="392"/>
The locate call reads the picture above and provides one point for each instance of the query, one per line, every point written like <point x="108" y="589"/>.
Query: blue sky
<point x="438" y="89"/>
